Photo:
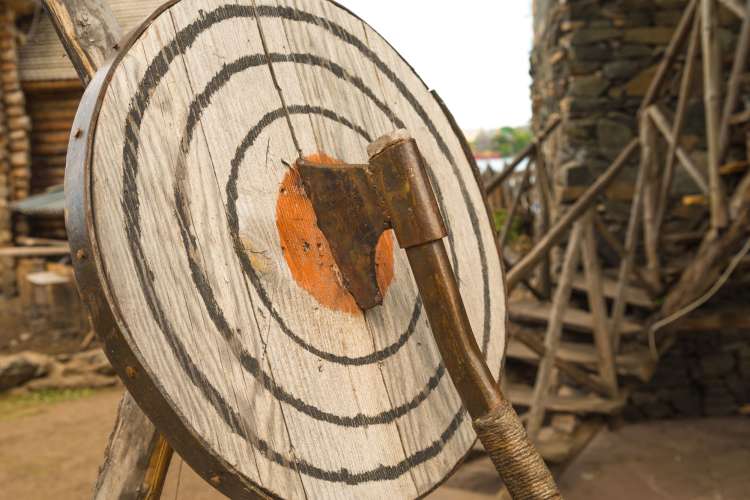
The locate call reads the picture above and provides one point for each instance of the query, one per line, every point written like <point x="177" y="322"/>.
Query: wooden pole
<point x="686" y="85"/>
<point x="136" y="459"/>
<point x="733" y="87"/>
<point x="544" y="194"/>
<point x="557" y="231"/>
<point x="138" y="456"/>
<point x="598" y="306"/>
<point x="88" y="31"/>
<point x="670" y="54"/>
<point x="631" y="244"/>
<point x="663" y="125"/>
<point x="650" y="194"/>
<point x="712" y="98"/>
<point x="554" y="332"/>
<point x="735" y="7"/>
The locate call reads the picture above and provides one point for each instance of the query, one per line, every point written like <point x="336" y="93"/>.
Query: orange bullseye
<point x="306" y="249"/>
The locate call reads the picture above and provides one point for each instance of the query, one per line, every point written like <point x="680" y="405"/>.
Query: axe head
<point x="351" y="216"/>
<point x="354" y="204"/>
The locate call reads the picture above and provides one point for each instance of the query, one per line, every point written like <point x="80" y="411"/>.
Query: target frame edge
<point x="95" y="290"/>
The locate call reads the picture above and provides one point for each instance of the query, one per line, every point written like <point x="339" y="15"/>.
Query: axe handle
<point x="500" y="430"/>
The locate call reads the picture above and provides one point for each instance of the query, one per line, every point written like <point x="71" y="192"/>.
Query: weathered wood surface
<point x="136" y="457"/>
<point x="225" y="287"/>
<point x="44" y="59"/>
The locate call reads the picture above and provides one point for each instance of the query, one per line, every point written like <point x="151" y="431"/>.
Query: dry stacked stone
<point x="593" y="61"/>
<point x="705" y="374"/>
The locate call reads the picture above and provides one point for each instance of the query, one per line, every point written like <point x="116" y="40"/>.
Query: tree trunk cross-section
<point x="258" y="384"/>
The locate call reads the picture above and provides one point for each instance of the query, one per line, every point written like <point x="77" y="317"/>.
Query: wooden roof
<point x="43" y="57"/>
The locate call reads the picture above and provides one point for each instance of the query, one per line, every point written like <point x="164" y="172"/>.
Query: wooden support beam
<point x="735" y="7"/>
<point x="678" y="39"/>
<point x="663" y="125"/>
<point x="88" y="30"/>
<point x="712" y="98"/>
<point x="136" y="459"/>
<point x="650" y="196"/>
<point x="544" y="194"/>
<point x="733" y="86"/>
<point x="686" y="87"/>
<point x="554" y="332"/>
<point x="598" y="306"/>
<point x="558" y="230"/>
<point x="50" y="251"/>
<point x="628" y="260"/>
<point x="500" y="178"/>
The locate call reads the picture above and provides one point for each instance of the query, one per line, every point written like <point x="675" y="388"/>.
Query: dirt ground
<point x="52" y="447"/>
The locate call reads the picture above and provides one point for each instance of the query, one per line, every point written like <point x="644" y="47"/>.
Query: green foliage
<point x="509" y="141"/>
<point x="516" y="226"/>
<point x="30" y="402"/>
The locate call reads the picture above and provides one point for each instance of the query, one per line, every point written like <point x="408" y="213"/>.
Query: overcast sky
<point x="475" y="53"/>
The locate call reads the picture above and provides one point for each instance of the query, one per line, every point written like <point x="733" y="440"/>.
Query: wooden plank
<point x="712" y="100"/>
<point x="552" y="336"/>
<point x="558" y="230"/>
<point x="598" y="306"/>
<point x="522" y="395"/>
<point x="650" y="197"/>
<point x="634" y="295"/>
<point x="52" y="251"/>
<point x="638" y="364"/>
<point x="574" y="319"/>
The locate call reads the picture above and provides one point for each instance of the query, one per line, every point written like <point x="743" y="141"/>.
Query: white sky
<point x="475" y="53"/>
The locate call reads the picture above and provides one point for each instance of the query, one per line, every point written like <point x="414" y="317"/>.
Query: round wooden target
<point x="217" y="295"/>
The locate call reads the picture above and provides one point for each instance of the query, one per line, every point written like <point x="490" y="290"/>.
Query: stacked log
<point x="7" y="274"/>
<point x="18" y="124"/>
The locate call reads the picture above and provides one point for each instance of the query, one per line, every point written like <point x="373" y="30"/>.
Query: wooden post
<point x="137" y="457"/>
<point x="598" y="305"/>
<point x="88" y="31"/>
<point x="733" y="87"/>
<point x="631" y="244"/>
<point x="557" y="231"/>
<point x="544" y="194"/>
<point x="686" y="85"/>
<point x="554" y="332"/>
<point x="712" y="98"/>
<point x="651" y="192"/>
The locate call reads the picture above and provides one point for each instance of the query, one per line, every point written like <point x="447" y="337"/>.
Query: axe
<point x="354" y="204"/>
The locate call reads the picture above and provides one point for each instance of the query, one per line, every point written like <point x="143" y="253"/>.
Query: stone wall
<point x="704" y="374"/>
<point x="592" y="62"/>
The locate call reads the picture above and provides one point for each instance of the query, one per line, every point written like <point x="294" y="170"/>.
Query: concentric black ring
<point x="130" y="202"/>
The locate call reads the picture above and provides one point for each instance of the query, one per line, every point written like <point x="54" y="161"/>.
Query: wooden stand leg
<point x="137" y="457"/>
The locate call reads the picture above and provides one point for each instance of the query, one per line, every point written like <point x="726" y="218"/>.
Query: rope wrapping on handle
<point x="517" y="461"/>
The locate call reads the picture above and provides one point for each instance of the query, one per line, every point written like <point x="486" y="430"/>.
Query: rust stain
<point x="307" y="252"/>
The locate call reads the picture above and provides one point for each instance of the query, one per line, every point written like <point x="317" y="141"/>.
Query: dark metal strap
<point x="516" y="460"/>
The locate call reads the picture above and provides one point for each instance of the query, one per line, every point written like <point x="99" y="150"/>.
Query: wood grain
<point x="203" y="116"/>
